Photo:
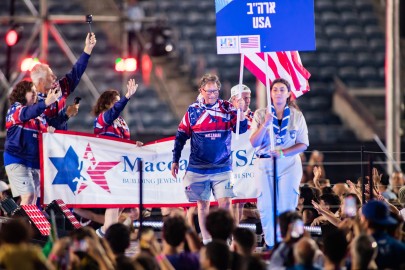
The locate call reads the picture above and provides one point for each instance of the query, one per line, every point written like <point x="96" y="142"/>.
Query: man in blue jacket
<point x="43" y="78"/>
<point x="209" y="123"/>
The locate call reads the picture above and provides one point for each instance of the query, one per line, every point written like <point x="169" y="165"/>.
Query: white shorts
<point x="198" y="186"/>
<point x="23" y="180"/>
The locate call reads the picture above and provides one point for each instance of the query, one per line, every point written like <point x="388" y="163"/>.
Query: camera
<point x="77" y="100"/>
<point x="89" y="18"/>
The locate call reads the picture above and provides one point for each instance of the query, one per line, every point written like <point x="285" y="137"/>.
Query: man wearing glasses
<point x="209" y="123"/>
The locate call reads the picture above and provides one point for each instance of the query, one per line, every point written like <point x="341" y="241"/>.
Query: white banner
<point x="88" y="171"/>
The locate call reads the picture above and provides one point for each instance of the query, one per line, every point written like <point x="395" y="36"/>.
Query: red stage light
<point x="11" y="37"/>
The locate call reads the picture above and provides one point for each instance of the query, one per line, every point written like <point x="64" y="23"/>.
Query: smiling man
<point x="209" y="123"/>
<point x="44" y="79"/>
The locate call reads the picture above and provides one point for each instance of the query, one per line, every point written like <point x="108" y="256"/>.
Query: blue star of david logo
<point x="68" y="169"/>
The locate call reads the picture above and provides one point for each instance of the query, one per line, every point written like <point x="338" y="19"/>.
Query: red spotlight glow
<point x="11" y="37"/>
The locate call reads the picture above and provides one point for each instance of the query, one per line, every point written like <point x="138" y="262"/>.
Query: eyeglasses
<point x="210" y="92"/>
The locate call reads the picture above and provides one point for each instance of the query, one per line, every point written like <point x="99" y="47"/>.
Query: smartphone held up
<point x="89" y="20"/>
<point x="56" y="86"/>
<point x="79" y="245"/>
<point x="350" y="207"/>
<point x="297" y="228"/>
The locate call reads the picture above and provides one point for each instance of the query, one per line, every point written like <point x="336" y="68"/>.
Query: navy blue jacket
<point x="210" y="129"/>
<point x="23" y="124"/>
<point x="55" y="114"/>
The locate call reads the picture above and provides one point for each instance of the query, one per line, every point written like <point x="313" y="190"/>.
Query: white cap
<point x="235" y="90"/>
<point x="3" y="186"/>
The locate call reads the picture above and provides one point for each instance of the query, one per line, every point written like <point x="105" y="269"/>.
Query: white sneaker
<point x="100" y="233"/>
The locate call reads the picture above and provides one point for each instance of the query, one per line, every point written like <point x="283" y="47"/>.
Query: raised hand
<point x="240" y="103"/>
<point x="52" y="96"/>
<point x="132" y="86"/>
<point x="317" y="172"/>
<point x="317" y="207"/>
<point x="72" y="110"/>
<point x="353" y="189"/>
<point x="90" y="43"/>
<point x="376" y="177"/>
<point x="317" y="175"/>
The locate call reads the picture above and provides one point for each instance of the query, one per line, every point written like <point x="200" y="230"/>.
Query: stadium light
<point x="126" y="64"/>
<point x="13" y="35"/>
<point x="28" y="63"/>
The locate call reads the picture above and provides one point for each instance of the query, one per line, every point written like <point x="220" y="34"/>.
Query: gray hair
<point x="38" y="72"/>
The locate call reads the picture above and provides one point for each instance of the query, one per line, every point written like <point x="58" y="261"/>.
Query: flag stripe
<point x="274" y="66"/>
<point x="298" y="65"/>
<point x="257" y="66"/>
<point x="285" y="65"/>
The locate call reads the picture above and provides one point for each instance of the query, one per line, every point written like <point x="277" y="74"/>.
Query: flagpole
<point x="272" y="148"/>
<point x="242" y="58"/>
<point x="140" y="168"/>
<point x="266" y="55"/>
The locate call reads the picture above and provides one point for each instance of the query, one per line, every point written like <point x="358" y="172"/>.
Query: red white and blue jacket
<point x="55" y="114"/>
<point x="110" y="123"/>
<point x="23" y="124"/>
<point x="210" y="129"/>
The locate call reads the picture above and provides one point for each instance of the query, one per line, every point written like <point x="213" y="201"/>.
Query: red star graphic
<point x="97" y="172"/>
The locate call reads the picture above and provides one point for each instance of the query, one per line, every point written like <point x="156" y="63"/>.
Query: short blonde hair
<point x="39" y="71"/>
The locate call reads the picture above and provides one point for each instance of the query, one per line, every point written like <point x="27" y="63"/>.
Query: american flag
<point x="285" y="65"/>
<point x="249" y="42"/>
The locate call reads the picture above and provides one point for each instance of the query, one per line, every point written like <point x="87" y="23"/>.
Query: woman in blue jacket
<point x="108" y="122"/>
<point x="24" y="122"/>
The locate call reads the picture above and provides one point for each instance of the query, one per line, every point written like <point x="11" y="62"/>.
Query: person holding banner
<point x="290" y="133"/>
<point x="108" y="122"/>
<point x="21" y="149"/>
<point x="246" y="96"/>
<point x="209" y="123"/>
<point x="43" y="78"/>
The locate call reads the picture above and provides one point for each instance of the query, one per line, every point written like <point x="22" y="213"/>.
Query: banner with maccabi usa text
<point x="85" y="170"/>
